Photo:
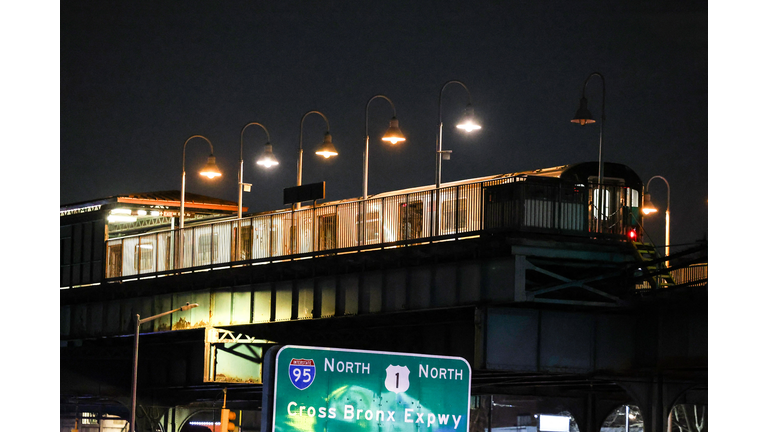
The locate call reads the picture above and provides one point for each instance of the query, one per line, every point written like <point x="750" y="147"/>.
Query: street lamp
<point x="649" y="208"/>
<point x="210" y="170"/>
<point x="467" y="124"/>
<point x="139" y="322"/>
<point x="584" y="117"/>
<point x="326" y="149"/>
<point x="266" y="160"/>
<point x="393" y="135"/>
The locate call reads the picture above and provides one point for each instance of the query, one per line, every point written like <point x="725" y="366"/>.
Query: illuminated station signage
<point x="337" y="390"/>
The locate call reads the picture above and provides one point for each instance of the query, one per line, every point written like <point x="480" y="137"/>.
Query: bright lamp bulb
<point x="469" y="126"/>
<point x="267" y="163"/>
<point x="393" y="140"/>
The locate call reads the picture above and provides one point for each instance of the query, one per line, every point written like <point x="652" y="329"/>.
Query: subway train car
<point x="564" y="200"/>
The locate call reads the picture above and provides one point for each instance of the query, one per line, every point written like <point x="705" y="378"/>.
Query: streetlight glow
<point x="327" y="149"/>
<point x="648" y="206"/>
<point x="393" y="135"/>
<point x="210" y="170"/>
<point x="467" y="124"/>
<point x="267" y="158"/>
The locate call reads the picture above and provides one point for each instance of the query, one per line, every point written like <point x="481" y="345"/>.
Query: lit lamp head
<point x="468" y="123"/>
<point x="394" y="135"/>
<point x="210" y="170"/>
<point x="583" y="116"/>
<point x="267" y="159"/>
<point x="327" y="148"/>
<point x="648" y="207"/>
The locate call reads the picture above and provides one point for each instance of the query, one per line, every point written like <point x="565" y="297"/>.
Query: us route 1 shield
<point x="337" y="390"/>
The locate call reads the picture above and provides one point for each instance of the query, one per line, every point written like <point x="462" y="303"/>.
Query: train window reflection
<point x="450" y="220"/>
<point x="606" y="204"/>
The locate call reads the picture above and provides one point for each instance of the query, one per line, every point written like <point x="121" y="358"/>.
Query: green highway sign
<point x="340" y="390"/>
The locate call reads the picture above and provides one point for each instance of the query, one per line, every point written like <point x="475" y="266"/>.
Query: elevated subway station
<point x="554" y="315"/>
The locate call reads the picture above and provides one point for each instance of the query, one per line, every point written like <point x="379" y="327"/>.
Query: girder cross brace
<point x="218" y="336"/>
<point x="580" y="283"/>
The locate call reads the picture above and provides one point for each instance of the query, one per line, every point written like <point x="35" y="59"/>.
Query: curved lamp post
<point x="210" y="170"/>
<point x="139" y="322"/>
<point x="584" y="117"/>
<point x="393" y="135"/>
<point x="467" y="124"/>
<point x="649" y="208"/>
<point x="266" y="160"/>
<point x="326" y="149"/>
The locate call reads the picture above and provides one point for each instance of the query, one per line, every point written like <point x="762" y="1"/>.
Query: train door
<point x="411" y="220"/>
<point x="607" y="206"/>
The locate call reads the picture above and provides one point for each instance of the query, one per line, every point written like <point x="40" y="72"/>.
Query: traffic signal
<point x="632" y="234"/>
<point x="228" y="420"/>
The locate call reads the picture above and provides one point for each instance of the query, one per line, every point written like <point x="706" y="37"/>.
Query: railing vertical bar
<point x="156" y="250"/>
<point x="456" y="214"/>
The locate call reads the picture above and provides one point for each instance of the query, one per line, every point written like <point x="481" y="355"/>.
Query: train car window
<point x="142" y="257"/>
<point x="633" y="198"/>
<point x="204" y="248"/>
<point x="448" y="216"/>
<point x="596" y="213"/>
<point x="411" y="220"/>
<point x="326" y="232"/>
<point x="371" y="227"/>
<point x="245" y="235"/>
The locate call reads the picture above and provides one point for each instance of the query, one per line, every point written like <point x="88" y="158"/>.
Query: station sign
<point x="340" y="390"/>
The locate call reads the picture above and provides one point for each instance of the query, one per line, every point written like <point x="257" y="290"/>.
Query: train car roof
<point x="575" y="173"/>
<point x="581" y="172"/>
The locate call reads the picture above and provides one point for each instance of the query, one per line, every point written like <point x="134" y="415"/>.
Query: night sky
<point x="139" y="78"/>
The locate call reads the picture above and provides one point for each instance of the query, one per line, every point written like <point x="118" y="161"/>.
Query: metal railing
<point x="396" y="220"/>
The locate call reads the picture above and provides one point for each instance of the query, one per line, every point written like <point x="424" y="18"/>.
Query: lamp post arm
<point x="666" y="223"/>
<point x="367" y="140"/>
<point x="665" y="181"/>
<point x="184" y="150"/>
<point x="439" y="144"/>
<point x="243" y="131"/>
<point x="240" y="173"/>
<point x="184" y="173"/>
<point x="134" y="375"/>
<point x="154" y="317"/>
<point x="602" y="120"/>
<point x="301" y="138"/>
